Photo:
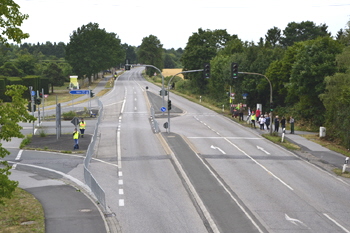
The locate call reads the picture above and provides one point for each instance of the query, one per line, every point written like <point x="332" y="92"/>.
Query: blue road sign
<point x="79" y="92"/>
<point x="33" y="93"/>
<point x="163" y="109"/>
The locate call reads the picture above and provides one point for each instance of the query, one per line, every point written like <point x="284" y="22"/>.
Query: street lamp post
<point x="163" y="92"/>
<point x="270" y="95"/>
<point x="183" y="72"/>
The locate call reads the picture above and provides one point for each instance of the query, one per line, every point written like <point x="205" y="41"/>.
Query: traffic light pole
<point x="270" y="95"/>
<point x="163" y="92"/>
<point x="183" y="72"/>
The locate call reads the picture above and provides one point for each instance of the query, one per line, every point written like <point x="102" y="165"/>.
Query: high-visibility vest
<point x="76" y="135"/>
<point x="253" y="117"/>
<point x="82" y="125"/>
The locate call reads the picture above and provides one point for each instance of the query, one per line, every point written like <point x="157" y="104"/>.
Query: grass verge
<point x="22" y="213"/>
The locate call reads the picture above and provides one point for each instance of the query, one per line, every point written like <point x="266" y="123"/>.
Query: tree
<point x="151" y="53"/>
<point x="92" y="49"/>
<point x="10" y="69"/>
<point x="201" y="47"/>
<point x="336" y="100"/>
<point x="273" y="36"/>
<point x="55" y="75"/>
<point x="10" y="114"/>
<point x="306" y="30"/>
<point x="10" y="20"/>
<point x="26" y="62"/>
<point x="130" y="53"/>
<point x="315" y="60"/>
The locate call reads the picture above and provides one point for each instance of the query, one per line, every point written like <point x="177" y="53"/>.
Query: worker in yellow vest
<point x="76" y="138"/>
<point x="253" y="119"/>
<point x="82" y="126"/>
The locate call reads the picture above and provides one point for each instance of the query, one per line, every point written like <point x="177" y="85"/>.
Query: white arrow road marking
<point x="217" y="148"/>
<point x="294" y="220"/>
<point x="262" y="149"/>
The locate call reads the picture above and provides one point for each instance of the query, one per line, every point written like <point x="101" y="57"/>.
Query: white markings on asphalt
<point x="217" y="148"/>
<point x="336" y="223"/>
<point x="294" y="220"/>
<point x="120" y="182"/>
<point x="120" y="173"/>
<point x="121" y="191"/>
<point x="250" y="157"/>
<point x="262" y="149"/>
<point x="121" y="202"/>
<point x="19" y="155"/>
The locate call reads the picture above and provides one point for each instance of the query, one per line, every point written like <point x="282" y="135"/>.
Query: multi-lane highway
<point x="208" y="174"/>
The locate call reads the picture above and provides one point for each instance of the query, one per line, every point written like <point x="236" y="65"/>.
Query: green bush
<point x="69" y="115"/>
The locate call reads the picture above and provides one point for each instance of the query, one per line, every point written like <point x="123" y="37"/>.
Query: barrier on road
<point x="88" y="177"/>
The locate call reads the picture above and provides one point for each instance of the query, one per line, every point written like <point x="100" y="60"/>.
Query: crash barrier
<point x="88" y="177"/>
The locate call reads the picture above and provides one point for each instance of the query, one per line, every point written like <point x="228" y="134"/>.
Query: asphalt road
<point x="208" y="174"/>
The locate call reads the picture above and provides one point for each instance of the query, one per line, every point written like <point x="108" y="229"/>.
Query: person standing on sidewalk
<point x="76" y="139"/>
<point x="283" y="124"/>
<point x="291" y="121"/>
<point x="82" y="126"/>
<point x="253" y="119"/>
<point x="267" y="121"/>
<point x="277" y="124"/>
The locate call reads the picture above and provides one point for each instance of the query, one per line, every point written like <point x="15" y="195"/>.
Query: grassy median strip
<point x="22" y="213"/>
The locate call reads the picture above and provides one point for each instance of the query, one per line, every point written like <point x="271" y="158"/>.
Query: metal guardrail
<point x="88" y="177"/>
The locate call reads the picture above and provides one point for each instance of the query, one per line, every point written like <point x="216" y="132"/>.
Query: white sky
<point x="173" y="22"/>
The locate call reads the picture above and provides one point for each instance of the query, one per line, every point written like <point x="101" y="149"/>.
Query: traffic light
<point x="127" y="67"/>
<point x="38" y="101"/>
<point x="271" y="107"/>
<point x="206" y="70"/>
<point x="29" y="107"/>
<point x="169" y="105"/>
<point x="41" y="95"/>
<point x="234" y="70"/>
<point x="92" y="94"/>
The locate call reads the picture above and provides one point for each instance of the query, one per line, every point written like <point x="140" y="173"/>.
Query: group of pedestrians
<point x="77" y="134"/>
<point x="283" y="124"/>
<point x="265" y="120"/>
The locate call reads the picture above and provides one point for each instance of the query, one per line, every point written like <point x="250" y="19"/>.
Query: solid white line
<point x="336" y="223"/>
<point x="237" y="138"/>
<point x="19" y="155"/>
<point x="229" y="193"/>
<point x="262" y="166"/>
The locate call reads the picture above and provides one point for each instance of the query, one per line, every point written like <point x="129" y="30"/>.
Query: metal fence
<point x="88" y="177"/>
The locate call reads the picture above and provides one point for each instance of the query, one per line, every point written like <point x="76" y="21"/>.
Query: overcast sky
<point x="173" y="22"/>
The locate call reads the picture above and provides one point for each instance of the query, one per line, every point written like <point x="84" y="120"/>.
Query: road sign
<point x="33" y="93"/>
<point x="79" y="92"/>
<point x="163" y="109"/>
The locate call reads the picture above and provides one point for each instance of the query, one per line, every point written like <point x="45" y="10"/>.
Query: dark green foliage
<point x="306" y="30"/>
<point x="92" y="49"/>
<point x="151" y="53"/>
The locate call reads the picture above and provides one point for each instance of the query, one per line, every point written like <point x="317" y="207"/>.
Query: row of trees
<point x="308" y="70"/>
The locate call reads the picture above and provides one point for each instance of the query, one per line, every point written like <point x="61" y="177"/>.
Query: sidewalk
<point x="311" y="151"/>
<point x="67" y="202"/>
